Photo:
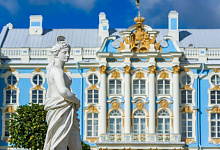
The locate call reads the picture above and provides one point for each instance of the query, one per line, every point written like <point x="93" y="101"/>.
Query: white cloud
<point x="11" y="5"/>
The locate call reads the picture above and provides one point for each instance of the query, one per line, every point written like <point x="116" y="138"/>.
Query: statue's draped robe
<point x="60" y="119"/>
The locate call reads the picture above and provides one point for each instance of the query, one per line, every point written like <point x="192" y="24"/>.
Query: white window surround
<point x="171" y="118"/>
<point x="170" y="78"/>
<point x="92" y="119"/>
<point x="146" y="118"/>
<point x="210" y="139"/>
<point x="86" y="95"/>
<point x="190" y="74"/>
<point x="37" y="87"/>
<point x="12" y="87"/>
<point x="193" y="97"/>
<point x="121" y="78"/>
<point x="145" y="78"/>
<point x="193" y="120"/>
<point x="210" y="75"/>
<point x="164" y="118"/>
<point x="122" y="118"/>
<point x="115" y="115"/>
<point x="97" y="73"/>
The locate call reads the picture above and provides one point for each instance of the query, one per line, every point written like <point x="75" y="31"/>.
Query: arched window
<point x="37" y="96"/>
<point x="163" y="87"/>
<point x="12" y="80"/>
<point x="215" y="97"/>
<point x="93" y="79"/>
<point x="186" y="96"/>
<point x="115" y="121"/>
<point x="163" y="122"/>
<point x="92" y="124"/>
<point x="215" y="80"/>
<point x="186" y="124"/>
<point x="115" y="87"/>
<point x="139" y="87"/>
<point x="139" y="122"/>
<point x="215" y="125"/>
<point x="93" y="96"/>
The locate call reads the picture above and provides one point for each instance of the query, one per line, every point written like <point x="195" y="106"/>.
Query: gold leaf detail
<point x="215" y="110"/>
<point x="186" y="69"/>
<point x="164" y="75"/>
<point x="10" y="109"/>
<point x="216" y="70"/>
<point x="139" y="105"/>
<point x="164" y="104"/>
<point x="92" y="140"/>
<point x="187" y="87"/>
<point x="38" y="70"/>
<point x="216" y="141"/>
<point x="188" y="140"/>
<point x="127" y="69"/>
<point x="187" y="109"/>
<point x="216" y="87"/>
<point x="65" y="70"/>
<point x="115" y="74"/>
<point x="93" y="69"/>
<point x="115" y="105"/>
<point x="103" y="69"/>
<point x="176" y="69"/>
<point x="152" y="69"/>
<point x="10" y="87"/>
<point x="93" y="87"/>
<point x="139" y="75"/>
<point x="122" y="46"/>
<point x="12" y="70"/>
<point x="93" y="109"/>
<point x="38" y="87"/>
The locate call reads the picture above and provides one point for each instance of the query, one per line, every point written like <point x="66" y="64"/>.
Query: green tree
<point x="28" y="128"/>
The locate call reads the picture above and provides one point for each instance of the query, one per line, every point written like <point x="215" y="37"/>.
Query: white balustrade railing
<point x="213" y="53"/>
<point x="10" y="53"/>
<point x="89" y="53"/>
<point x="191" y="53"/>
<point x="134" y="137"/>
<point x="39" y="53"/>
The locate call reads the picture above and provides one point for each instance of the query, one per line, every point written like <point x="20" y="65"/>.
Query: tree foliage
<point x="28" y="128"/>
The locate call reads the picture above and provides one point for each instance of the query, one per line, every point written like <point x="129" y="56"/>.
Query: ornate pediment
<point x="139" y="40"/>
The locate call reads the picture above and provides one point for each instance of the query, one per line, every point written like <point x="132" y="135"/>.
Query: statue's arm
<point x="58" y="77"/>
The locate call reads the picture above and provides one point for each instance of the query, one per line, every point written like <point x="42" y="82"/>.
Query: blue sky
<point x="120" y="13"/>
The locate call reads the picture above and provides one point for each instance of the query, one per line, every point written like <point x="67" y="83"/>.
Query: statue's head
<point x="61" y="45"/>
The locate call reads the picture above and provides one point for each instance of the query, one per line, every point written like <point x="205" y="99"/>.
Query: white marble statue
<point x="61" y="104"/>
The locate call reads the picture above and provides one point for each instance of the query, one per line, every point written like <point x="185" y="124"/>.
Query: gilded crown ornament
<point x="115" y="74"/>
<point x="139" y="105"/>
<point x="164" y="104"/>
<point x="164" y="75"/>
<point x="139" y="75"/>
<point x="115" y="105"/>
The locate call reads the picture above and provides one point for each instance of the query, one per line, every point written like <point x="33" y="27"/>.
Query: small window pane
<point x="37" y="79"/>
<point x="12" y="80"/>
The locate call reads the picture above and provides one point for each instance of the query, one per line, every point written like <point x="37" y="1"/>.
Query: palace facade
<point x="140" y="88"/>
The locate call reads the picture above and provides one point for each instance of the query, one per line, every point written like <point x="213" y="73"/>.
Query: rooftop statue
<point x="61" y="104"/>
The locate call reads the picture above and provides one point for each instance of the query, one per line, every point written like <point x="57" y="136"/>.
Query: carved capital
<point x="152" y="69"/>
<point x="127" y="69"/>
<point x="139" y="75"/>
<point x="176" y="69"/>
<point x="103" y="69"/>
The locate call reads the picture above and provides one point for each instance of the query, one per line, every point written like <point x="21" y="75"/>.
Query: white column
<point x="102" y="101"/>
<point x="152" y="99"/>
<point x="127" y="106"/>
<point x="176" y="93"/>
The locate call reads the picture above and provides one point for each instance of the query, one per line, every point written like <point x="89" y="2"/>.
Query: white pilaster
<point x="127" y="107"/>
<point x="176" y="100"/>
<point x="102" y="100"/>
<point x="152" y="99"/>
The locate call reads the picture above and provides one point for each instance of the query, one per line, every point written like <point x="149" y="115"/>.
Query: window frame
<point x="193" y="97"/>
<point x="186" y="120"/>
<point x="164" y="123"/>
<point x="139" y="119"/>
<point x="139" y="87"/>
<point x="164" y="87"/>
<point x="216" y="127"/>
<point x="115" y="122"/>
<point x="115" y="87"/>
<point x="93" y="96"/>
<point x="93" y="119"/>
<point x="38" y="75"/>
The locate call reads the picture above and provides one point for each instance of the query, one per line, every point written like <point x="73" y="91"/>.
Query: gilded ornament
<point x="37" y="87"/>
<point x="93" y="87"/>
<point x="171" y="122"/>
<point x="12" y="70"/>
<point x="10" y="109"/>
<point x="186" y="69"/>
<point x="93" y="69"/>
<point x="187" y="87"/>
<point x="176" y="69"/>
<point x="216" y="87"/>
<point x="139" y="105"/>
<point x="38" y="70"/>
<point x="139" y="40"/>
<point x="92" y="140"/>
<point x="216" y="141"/>
<point x="187" y="109"/>
<point x="115" y="105"/>
<point x="10" y="87"/>
<point x="115" y="74"/>
<point x="65" y="70"/>
<point x="93" y="109"/>
<point x="152" y="69"/>
<point x="139" y="75"/>
<point x="216" y="70"/>
<point x="164" y="75"/>
<point x="103" y="69"/>
<point x="188" y="140"/>
<point x="127" y="69"/>
<point x="164" y="104"/>
<point x="215" y="110"/>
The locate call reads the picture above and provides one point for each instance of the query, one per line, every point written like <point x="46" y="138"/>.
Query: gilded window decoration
<point x="93" y="109"/>
<point x="115" y="74"/>
<point x="92" y="69"/>
<point x="139" y="75"/>
<point x="216" y="70"/>
<point x="139" y="105"/>
<point x="164" y="104"/>
<point x="164" y="75"/>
